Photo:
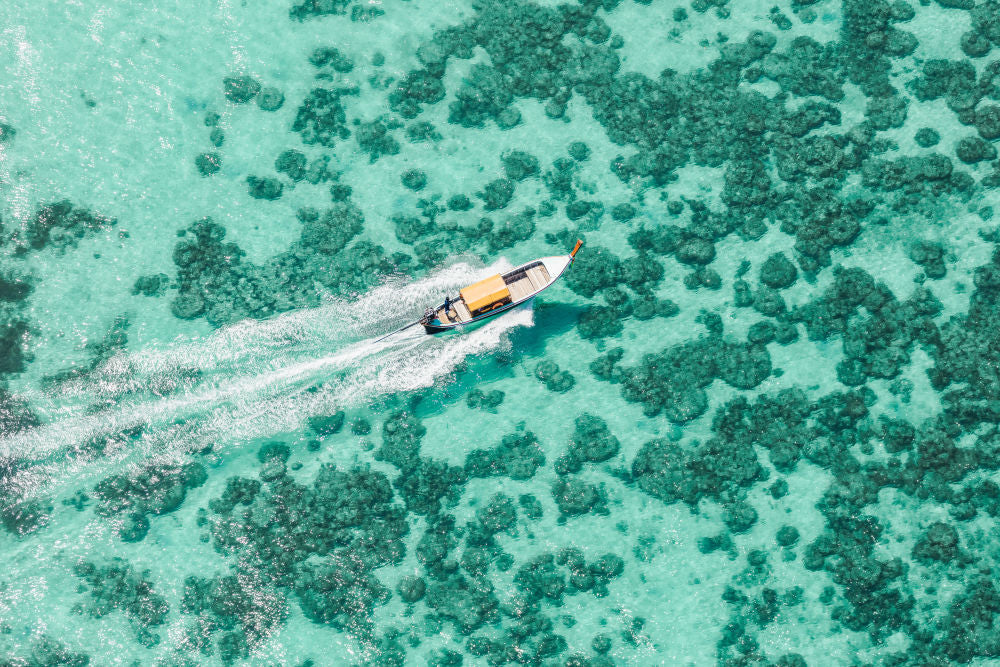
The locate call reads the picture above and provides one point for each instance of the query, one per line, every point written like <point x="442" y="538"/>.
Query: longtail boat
<point x="494" y="295"/>
<point x="498" y="294"/>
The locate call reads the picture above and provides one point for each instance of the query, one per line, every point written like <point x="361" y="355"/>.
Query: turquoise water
<point x="755" y="423"/>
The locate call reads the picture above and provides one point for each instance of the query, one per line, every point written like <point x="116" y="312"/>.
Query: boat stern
<point x="437" y="327"/>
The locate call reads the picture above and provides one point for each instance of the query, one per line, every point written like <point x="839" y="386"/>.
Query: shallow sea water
<point x="668" y="458"/>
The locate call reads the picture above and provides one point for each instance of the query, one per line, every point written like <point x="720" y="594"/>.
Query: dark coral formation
<point x="215" y="282"/>
<point x="671" y="473"/>
<point x="333" y="533"/>
<point x="358" y="12"/>
<point x="47" y="651"/>
<point x="939" y="543"/>
<point x="931" y="257"/>
<point x="240" y="89"/>
<point x="7" y="133"/>
<point x="15" y="414"/>
<point x="233" y="607"/>
<point x="555" y="380"/>
<point x="60" y="225"/>
<point x="292" y="163"/>
<point x="21" y="515"/>
<point x="519" y="165"/>
<point x="324" y="545"/>
<point x="376" y="139"/>
<point x="332" y="57"/>
<point x="592" y="442"/>
<point x="674" y="381"/>
<point x="603" y="273"/>
<point x="879" y="344"/>
<point x="517" y="456"/>
<point x="488" y="400"/>
<point x="575" y="497"/>
<point x="151" y="285"/>
<point x="264" y="187"/>
<point x="832" y="432"/>
<point x="208" y="163"/>
<point x="414" y="179"/>
<point x="156" y="489"/>
<point x="116" y="587"/>
<point x="321" y="119"/>
<point x="270" y="99"/>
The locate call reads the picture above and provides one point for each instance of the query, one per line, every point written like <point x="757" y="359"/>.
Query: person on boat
<point x="447" y="304"/>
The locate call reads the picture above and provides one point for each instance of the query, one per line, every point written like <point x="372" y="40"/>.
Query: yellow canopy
<point x="484" y="293"/>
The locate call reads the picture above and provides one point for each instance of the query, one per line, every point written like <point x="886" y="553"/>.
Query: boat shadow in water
<point x="550" y="319"/>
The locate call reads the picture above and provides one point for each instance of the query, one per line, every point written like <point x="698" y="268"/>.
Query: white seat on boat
<point x="520" y="289"/>
<point x="538" y="276"/>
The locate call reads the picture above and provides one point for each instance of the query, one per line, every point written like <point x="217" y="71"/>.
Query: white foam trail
<point x="258" y="378"/>
<point x="270" y="342"/>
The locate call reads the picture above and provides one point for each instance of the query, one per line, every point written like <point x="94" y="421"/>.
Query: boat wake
<point x="249" y="380"/>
